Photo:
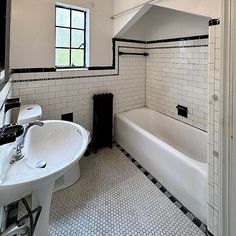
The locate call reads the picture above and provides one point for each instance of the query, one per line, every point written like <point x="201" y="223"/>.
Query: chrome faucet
<point x="22" y="141"/>
<point x="18" y="155"/>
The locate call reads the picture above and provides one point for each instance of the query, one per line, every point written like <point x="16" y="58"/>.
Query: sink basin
<point x="59" y="144"/>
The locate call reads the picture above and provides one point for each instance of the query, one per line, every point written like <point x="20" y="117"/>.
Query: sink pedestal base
<point x="43" y="197"/>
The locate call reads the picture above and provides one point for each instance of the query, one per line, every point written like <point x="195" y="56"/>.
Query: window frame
<point x="84" y="49"/>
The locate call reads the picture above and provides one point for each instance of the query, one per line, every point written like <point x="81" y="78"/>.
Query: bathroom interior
<point x="111" y="117"/>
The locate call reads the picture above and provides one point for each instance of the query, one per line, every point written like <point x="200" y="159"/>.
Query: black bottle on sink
<point x="9" y="133"/>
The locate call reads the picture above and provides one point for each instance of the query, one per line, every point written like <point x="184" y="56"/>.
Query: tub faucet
<point x="18" y="153"/>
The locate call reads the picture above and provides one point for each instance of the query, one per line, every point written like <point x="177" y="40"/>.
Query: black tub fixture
<point x="182" y="111"/>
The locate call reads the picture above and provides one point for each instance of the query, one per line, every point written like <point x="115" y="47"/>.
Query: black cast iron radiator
<point x="102" y="120"/>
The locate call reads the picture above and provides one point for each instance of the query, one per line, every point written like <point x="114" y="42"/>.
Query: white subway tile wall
<point x="75" y="94"/>
<point x="214" y="128"/>
<point x="177" y="74"/>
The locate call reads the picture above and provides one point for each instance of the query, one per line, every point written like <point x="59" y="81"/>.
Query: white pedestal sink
<point x="60" y="144"/>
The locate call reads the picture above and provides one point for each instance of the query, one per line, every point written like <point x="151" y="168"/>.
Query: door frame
<point x="227" y="222"/>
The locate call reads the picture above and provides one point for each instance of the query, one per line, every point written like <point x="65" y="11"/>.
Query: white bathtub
<point x="173" y="152"/>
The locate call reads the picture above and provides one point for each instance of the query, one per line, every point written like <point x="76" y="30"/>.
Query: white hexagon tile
<point x="113" y="197"/>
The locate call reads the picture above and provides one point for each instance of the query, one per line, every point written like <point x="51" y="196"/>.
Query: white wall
<point x="164" y="23"/>
<point x="210" y="8"/>
<point x="33" y="32"/>
<point x="122" y="5"/>
<point x="129" y="20"/>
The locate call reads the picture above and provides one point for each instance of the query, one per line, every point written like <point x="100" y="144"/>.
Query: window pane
<point x="62" y="37"/>
<point x="77" y="19"/>
<point x="77" y="57"/>
<point x="62" y="57"/>
<point x="62" y="17"/>
<point x="77" y="38"/>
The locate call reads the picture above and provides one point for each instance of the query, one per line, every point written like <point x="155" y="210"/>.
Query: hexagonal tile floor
<point x="113" y="197"/>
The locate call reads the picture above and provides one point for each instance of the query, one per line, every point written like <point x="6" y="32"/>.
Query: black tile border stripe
<point x="168" y="47"/>
<point x="179" y="39"/>
<point x="129" y="40"/>
<point x="188" y="213"/>
<point x="63" y="78"/>
<point x="213" y="22"/>
<point x="101" y="68"/>
<point x="190" y="46"/>
<point x="33" y="70"/>
<point x="114" y="40"/>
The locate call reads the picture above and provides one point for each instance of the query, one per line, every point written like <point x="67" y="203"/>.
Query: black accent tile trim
<point x="131" y="53"/>
<point x="163" y="189"/>
<point x="188" y="213"/>
<point x="209" y="233"/>
<point x="154" y="181"/>
<point x="197" y="222"/>
<point x="101" y="67"/>
<point x="129" y="40"/>
<point x="173" y="199"/>
<point x="179" y="39"/>
<point x="33" y="70"/>
<point x="63" y="78"/>
<point x="184" y="210"/>
<point x="190" y="46"/>
<point x="213" y="22"/>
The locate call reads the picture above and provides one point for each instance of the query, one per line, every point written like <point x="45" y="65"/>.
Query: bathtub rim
<point x="202" y="167"/>
<point x="161" y="113"/>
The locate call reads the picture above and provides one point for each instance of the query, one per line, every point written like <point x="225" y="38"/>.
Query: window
<point x="70" y="37"/>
